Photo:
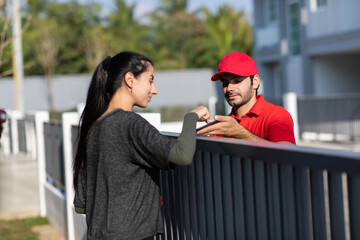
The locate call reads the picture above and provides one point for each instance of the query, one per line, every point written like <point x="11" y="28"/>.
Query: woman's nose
<point x="153" y="90"/>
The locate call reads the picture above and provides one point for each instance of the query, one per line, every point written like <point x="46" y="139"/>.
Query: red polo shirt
<point x="268" y="121"/>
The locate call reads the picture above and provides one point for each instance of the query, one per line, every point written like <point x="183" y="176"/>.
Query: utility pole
<point x="18" y="65"/>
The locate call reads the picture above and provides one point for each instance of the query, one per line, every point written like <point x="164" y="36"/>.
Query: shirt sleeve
<point x="182" y="153"/>
<point x="157" y="149"/>
<point x="80" y="193"/>
<point x="151" y="147"/>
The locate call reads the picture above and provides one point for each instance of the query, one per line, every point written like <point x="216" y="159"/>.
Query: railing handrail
<point x="328" y="159"/>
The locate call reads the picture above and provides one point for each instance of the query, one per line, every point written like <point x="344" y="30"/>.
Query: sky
<point x="145" y="6"/>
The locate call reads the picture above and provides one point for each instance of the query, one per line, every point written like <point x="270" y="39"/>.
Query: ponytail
<point x="107" y="78"/>
<point x="97" y="102"/>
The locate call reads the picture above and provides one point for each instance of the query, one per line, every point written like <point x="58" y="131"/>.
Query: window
<point x="294" y="29"/>
<point x="271" y="10"/>
<point x="320" y="3"/>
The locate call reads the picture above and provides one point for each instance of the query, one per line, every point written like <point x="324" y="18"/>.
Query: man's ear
<point x="129" y="79"/>
<point x="256" y="81"/>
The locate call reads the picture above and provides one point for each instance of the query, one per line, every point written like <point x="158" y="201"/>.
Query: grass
<point x="20" y="229"/>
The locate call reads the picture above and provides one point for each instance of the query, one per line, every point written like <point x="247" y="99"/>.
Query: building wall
<point x="294" y="79"/>
<point x="180" y="87"/>
<point x="336" y="74"/>
<point x="338" y="16"/>
<point x="330" y="48"/>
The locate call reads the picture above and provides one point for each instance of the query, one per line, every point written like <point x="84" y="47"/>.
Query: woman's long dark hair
<point x="106" y="79"/>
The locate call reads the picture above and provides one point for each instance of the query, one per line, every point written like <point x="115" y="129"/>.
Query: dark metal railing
<point x="242" y="190"/>
<point x="337" y="115"/>
<point x="54" y="154"/>
<point x="237" y="189"/>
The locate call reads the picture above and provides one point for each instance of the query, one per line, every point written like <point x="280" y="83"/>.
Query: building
<point x="189" y="87"/>
<point x="310" y="47"/>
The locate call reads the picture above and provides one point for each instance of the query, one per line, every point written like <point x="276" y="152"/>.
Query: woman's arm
<point x="182" y="152"/>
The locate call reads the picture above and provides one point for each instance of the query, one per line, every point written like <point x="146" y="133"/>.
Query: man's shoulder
<point x="275" y="110"/>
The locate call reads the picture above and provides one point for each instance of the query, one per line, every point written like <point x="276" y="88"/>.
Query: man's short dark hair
<point x="252" y="80"/>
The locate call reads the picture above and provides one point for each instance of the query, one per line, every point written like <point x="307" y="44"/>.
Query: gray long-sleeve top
<point x="119" y="190"/>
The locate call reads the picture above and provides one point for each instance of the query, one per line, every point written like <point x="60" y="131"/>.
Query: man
<point x="251" y="118"/>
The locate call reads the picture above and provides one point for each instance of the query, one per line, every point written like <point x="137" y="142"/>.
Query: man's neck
<point x="244" y="109"/>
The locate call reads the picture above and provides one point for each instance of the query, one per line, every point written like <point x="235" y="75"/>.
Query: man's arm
<point x="228" y="127"/>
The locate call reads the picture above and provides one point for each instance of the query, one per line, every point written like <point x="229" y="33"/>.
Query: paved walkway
<point x="19" y="188"/>
<point x="47" y="232"/>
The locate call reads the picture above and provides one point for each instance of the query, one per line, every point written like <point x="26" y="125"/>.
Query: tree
<point x="73" y="22"/>
<point x="5" y="39"/>
<point x="171" y="7"/>
<point x="96" y="45"/>
<point x="127" y="32"/>
<point x="178" y="41"/>
<point x="230" y="31"/>
<point x="46" y="45"/>
<point x="178" y="37"/>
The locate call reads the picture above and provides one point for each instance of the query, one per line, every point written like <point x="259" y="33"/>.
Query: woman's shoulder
<point x="125" y="117"/>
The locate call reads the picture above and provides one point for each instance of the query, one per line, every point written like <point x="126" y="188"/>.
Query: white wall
<point x="183" y="87"/>
<point x="69" y="91"/>
<point x="180" y="87"/>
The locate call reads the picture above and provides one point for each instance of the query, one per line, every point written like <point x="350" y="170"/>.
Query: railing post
<point x="69" y="119"/>
<point x="14" y="116"/>
<point x="212" y="106"/>
<point x="40" y="118"/>
<point x="30" y="135"/>
<point x="290" y="104"/>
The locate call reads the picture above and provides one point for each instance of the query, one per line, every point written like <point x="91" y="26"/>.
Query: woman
<point x="119" y="153"/>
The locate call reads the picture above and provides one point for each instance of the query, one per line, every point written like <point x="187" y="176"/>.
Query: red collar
<point x="256" y="109"/>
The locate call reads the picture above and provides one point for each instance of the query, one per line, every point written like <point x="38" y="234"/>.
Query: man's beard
<point x="245" y="98"/>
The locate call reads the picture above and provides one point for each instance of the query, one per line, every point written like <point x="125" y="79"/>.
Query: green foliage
<point x="229" y="30"/>
<point x="173" y="37"/>
<point x="57" y="115"/>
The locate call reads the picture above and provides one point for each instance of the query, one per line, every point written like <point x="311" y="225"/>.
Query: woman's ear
<point x="129" y="79"/>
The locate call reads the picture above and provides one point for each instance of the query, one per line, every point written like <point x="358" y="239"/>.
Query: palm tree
<point x="230" y="30"/>
<point x="127" y="31"/>
<point x="170" y="7"/>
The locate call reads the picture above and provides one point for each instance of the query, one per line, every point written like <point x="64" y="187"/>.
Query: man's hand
<point x="228" y="127"/>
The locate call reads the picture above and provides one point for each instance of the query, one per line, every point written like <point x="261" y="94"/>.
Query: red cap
<point x="236" y="63"/>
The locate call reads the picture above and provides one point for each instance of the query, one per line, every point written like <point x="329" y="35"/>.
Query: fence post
<point x="14" y="116"/>
<point x="290" y="104"/>
<point x="68" y="120"/>
<point x="40" y="118"/>
<point x="212" y="106"/>
<point x="30" y="134"/>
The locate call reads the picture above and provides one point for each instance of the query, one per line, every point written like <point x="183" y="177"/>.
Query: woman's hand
<point x="202" y="112"/>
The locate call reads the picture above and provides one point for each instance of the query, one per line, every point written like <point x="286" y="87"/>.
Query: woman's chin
<point x="142" y="105"/>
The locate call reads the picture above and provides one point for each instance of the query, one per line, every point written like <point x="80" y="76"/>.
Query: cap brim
<point x="216" y="76"/>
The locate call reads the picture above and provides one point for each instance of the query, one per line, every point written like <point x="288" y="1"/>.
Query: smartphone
<point x="206" y="125"/>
